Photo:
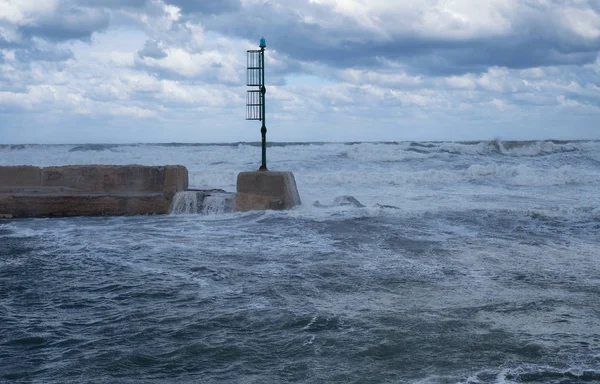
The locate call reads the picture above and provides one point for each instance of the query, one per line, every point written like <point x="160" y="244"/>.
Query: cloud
<point x="209" y="66"/>
<point x="35" y="54"/>
<point x="432" y="36"/>
<point x="206" y="7"/>
<point x="32" y="31"/>
<point x="59" y="20"/>
<point x="336" y="70"/>
<point x="113" y="3"/>
<point x="67" y="24"/>
<point x="153" y="50"/>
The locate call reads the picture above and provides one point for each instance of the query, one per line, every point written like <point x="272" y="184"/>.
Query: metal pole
<point x="263" y="130"/>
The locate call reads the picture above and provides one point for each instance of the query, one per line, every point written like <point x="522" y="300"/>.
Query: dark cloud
<point x="210" y="75"/>
<point x="8" y="44"/>
<point x="206" y="6"/>
<point x="445" y="58"/>
<point x="113" y="3"/>
<point x="593" y="101"/>
<point x="35" y="54"/>
<point x="538" y="37"/>
<point x="8" y="86"/>
<point x="68" y="23"/>
<point x="153" y="50"/>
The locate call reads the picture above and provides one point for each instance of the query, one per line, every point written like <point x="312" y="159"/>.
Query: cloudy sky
<point x="111" y="71"/>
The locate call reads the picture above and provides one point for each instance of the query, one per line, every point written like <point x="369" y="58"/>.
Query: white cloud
<point x="459" y="19"/>
<point x="26" y="11"/>
<point x="136" y="112"/>
<point x="192" y="74"/>
<point x="584" y="22"/>
<point x="190" y="65"/>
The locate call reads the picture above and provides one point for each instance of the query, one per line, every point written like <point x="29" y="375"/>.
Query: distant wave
<point x="537" y="374"/>
<point x="511" y="148"/>
<point x="422" y="145"/>
<point x="526" y="175"/>
<point x="411" y="151"/>
<point x="93" y="147"/>
<point x="13" y="147"/>
<point x="238" y="144"/>
<point x="486" y="147"/>
<point x="479" y="146"/>
<point x="477" y="173"/>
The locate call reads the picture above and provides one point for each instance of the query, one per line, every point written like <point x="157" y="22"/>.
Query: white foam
<point x="185" y="203"/>
<point x="216" y="204"/>
<point x="487" y="175"/>
<point x="198" y="202"/>
<point x="516" y="149"/>
<point x="527" y="175"/>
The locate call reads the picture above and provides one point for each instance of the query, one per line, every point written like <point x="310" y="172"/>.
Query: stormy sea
<point x="408" y="262"/>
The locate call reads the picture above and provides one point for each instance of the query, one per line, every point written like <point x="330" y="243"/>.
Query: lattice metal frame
<point x="254" y="64"/>
<point x="255" y="99"/>
<point x="254" y="105"/>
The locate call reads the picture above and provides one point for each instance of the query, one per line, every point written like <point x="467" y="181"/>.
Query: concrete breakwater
<point x="115" y="190"/>
<point x="266" y="190"/>
<point x="89" y="190"/>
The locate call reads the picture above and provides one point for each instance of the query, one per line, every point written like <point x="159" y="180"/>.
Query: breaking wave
<point x="406" y="151"/>
<point x="511" y="148"/>
<point x="477" y="173"/>
<point x="533" y="374"/>
<point x="93" y="147"/>
<point x="205" y="202"/>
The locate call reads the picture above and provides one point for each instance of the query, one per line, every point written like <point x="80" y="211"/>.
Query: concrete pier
<point x="263" y="190"/>
<point x="89" y="190"/>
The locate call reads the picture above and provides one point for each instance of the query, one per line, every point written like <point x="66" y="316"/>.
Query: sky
<point x="133" y="71"/>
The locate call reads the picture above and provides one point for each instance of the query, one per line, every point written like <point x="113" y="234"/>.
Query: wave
<point x="511" y="148"/>
<point x="537" y="374"/>
<point x="495" y="144"/>
<point x="573" y="214"/>
<point x="270" y="144"/>
<point x="206" y="202"/>
<point x="18" y="147"/>
<point x="93" y="147"/>
<point x="341" y="201"/>
<point x="422" y="145"/>
<point x="14" y="147"/>
<point x="410" y="151"/>
<point x="522" y="175"/>
<point x="526" y="175"/>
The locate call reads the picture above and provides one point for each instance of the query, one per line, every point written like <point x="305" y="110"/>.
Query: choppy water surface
<point x="469" y="263"/>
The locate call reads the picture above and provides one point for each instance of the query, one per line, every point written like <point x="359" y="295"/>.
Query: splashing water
<point x="202" y="202"/>
<point x="217" y="203"/>
<point x="185" y="203"/>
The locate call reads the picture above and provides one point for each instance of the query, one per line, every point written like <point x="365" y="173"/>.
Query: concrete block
<point x="176" y="179"/>
<point x="263" y="190"/>
<point x="57" y="205"/>
<point x="89" y="190"/>
<point x="117" y="178"/>
<point x="20" y="176"/>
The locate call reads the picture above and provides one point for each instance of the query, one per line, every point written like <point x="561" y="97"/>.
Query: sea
<point x="407" y="262"/>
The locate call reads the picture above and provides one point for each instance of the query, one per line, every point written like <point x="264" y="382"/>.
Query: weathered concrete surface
<point x="20" y="176"/>
<point x="266" y="190"/>
<point x="49" y="205"/>
<point x="89" y="190"/>
<point x="117" y="179"/>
